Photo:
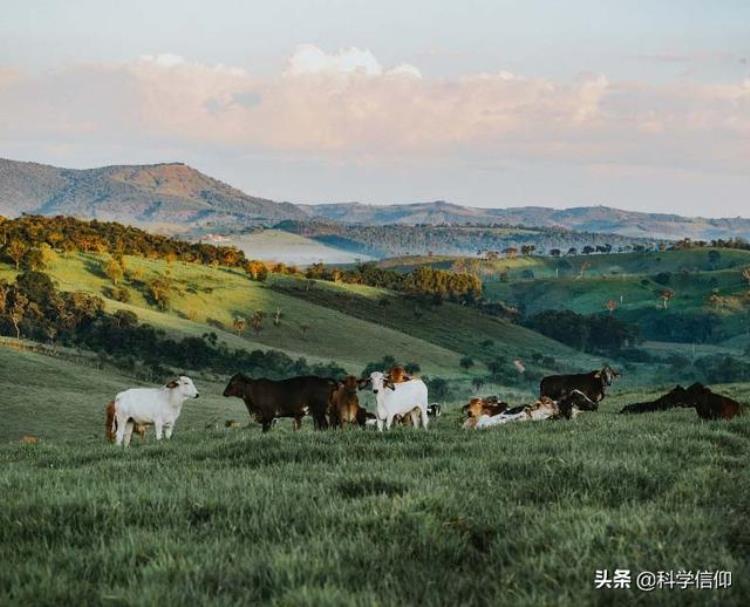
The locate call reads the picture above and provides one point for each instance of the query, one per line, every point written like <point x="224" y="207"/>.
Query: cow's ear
<point x="363" y="383"/>
<point x="390" y="384"/>
<point x="173" y="384"/>
<point x="598" y="374"/>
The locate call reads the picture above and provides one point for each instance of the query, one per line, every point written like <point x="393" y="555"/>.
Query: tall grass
<point x="520" y="515"/>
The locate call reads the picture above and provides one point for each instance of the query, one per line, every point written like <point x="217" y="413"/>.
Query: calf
<point x="591" y="384"/>
<point x="398" y="375"/>
<point x="158" y="406"/>
<point x="110" y="425"/>
<point x="296" y="397"/>
<point x="344" y="406"/>
<point x="477" y="407"/>
<point x="399" y="399"/>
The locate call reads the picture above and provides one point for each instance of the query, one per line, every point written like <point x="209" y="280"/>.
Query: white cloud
<point x="347" y="105"/>
<point x="309" y="59"/>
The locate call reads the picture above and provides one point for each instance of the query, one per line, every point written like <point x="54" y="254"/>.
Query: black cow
<point x="296" y="397"/>
<point x="591" y="384"/>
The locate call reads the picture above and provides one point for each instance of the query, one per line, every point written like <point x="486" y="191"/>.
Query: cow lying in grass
<point x="489" y="405"/>
<point x="566" y="407"/>
<point x="709" y="405"/>
<point x="158" y="406"/>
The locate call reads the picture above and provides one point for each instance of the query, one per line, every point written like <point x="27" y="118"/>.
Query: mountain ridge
<point x="176" y="195"/>
<point x="172" y="193"/>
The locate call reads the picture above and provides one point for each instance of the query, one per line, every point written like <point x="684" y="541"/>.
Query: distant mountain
<point x="180" y="198"/>
<point x="171" y="193"/>
<point x="599" y="219"/>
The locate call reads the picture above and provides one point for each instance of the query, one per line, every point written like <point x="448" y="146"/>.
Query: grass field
<point x="277" y="245"/>
<point x="694" y="260"/>
<point x="520" y="515"/>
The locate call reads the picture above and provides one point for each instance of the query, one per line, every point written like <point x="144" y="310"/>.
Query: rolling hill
<point x="707" y="286"/>
<point x="318" y="321"/>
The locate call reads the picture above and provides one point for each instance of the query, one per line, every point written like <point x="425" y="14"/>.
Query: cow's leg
<point x="321" y="423"/>
<point x="158" y="426"/>
<point x="389" y="421"/>
<point x="168" y="431"/>
<point x="128" y="432"/>
<point x="296" y="423"/>
<point x="266" y="425"/>
<point x="424" y="416"/>
<point x="380" y="424"/>
<point x="121" y="427"/>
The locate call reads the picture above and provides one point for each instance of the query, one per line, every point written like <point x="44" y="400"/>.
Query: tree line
<point x="22" y="239"/>
<point x="422" y="282"/>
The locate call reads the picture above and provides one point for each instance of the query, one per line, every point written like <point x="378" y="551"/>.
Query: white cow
<point x="399" y="399"/>
<point x="158" y="406"/>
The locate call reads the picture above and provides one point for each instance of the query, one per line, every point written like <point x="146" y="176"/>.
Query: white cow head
<point x="380" y="382"/>
<point x="184" y="387"/>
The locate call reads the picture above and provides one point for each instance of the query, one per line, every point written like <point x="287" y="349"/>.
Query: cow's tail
<point x="110" y="426"/>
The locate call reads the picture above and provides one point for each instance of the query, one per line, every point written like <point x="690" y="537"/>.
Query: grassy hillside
<point x="523" y="514"/>
<point x="585" y="283"/>
<point x="453" y="326"/>
<point x="208" y="299"/>
<point x="55" y="398"/>
<point x="317" y="326"/>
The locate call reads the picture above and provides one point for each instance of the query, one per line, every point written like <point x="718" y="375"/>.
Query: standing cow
<point x="591" y="384"/>
<point x="158" y="406"/>
<point x="296" y="397"/>
<point x="399" y="399"/>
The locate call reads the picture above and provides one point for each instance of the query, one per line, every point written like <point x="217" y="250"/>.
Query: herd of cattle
<point x="399" y="399"/>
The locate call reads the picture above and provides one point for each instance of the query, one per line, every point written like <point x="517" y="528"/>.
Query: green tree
<point x="113" y="271"/>
<point x="467" y="362"/>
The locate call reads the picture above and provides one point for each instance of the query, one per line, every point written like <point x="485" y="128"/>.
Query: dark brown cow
<point x="296" y="397"/>
<point x="591" y="384"/>
<point x="708" y="404"/>
<point x="676" y="397"/>
<point x="344" y="406"/>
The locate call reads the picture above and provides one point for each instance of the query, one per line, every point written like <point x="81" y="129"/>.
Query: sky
<point x="642" y="105"/>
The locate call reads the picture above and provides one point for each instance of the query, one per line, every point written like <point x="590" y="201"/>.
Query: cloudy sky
<point x="638" y="104"/>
